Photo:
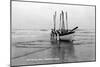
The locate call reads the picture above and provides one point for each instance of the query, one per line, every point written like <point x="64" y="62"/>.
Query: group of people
<point x="55" y="33"/>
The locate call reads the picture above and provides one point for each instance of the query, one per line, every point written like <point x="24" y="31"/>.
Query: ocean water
<point x="31" y="47"/>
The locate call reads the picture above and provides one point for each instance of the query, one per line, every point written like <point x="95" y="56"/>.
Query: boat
<point x="63" y="33"/>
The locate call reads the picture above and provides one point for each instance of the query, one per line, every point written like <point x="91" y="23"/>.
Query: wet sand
<point x="40" y="49"/>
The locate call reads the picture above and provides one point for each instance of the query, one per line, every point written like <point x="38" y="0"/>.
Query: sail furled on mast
<point x="66" y="21"/>
<point x="54" y="18"/>
<point x="63" y="24"/>
<point x="60" y="22"/>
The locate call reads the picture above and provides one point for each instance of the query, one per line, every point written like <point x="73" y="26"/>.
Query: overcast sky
<point x="27" y="15"/>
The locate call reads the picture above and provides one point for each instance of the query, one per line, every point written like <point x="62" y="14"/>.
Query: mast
<point x="54" y="17"/>
<point x="66" y="21"/>
<point x="63" y="25"/>
<point x="60" y="22"/>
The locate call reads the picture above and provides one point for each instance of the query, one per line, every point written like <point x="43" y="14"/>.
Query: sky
<point x="30" y="15"/>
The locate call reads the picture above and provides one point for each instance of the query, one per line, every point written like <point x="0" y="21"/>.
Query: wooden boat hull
<point x="67" y="37"/>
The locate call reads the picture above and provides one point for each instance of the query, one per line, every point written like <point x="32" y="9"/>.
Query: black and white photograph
<point x="52" y="33"/>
